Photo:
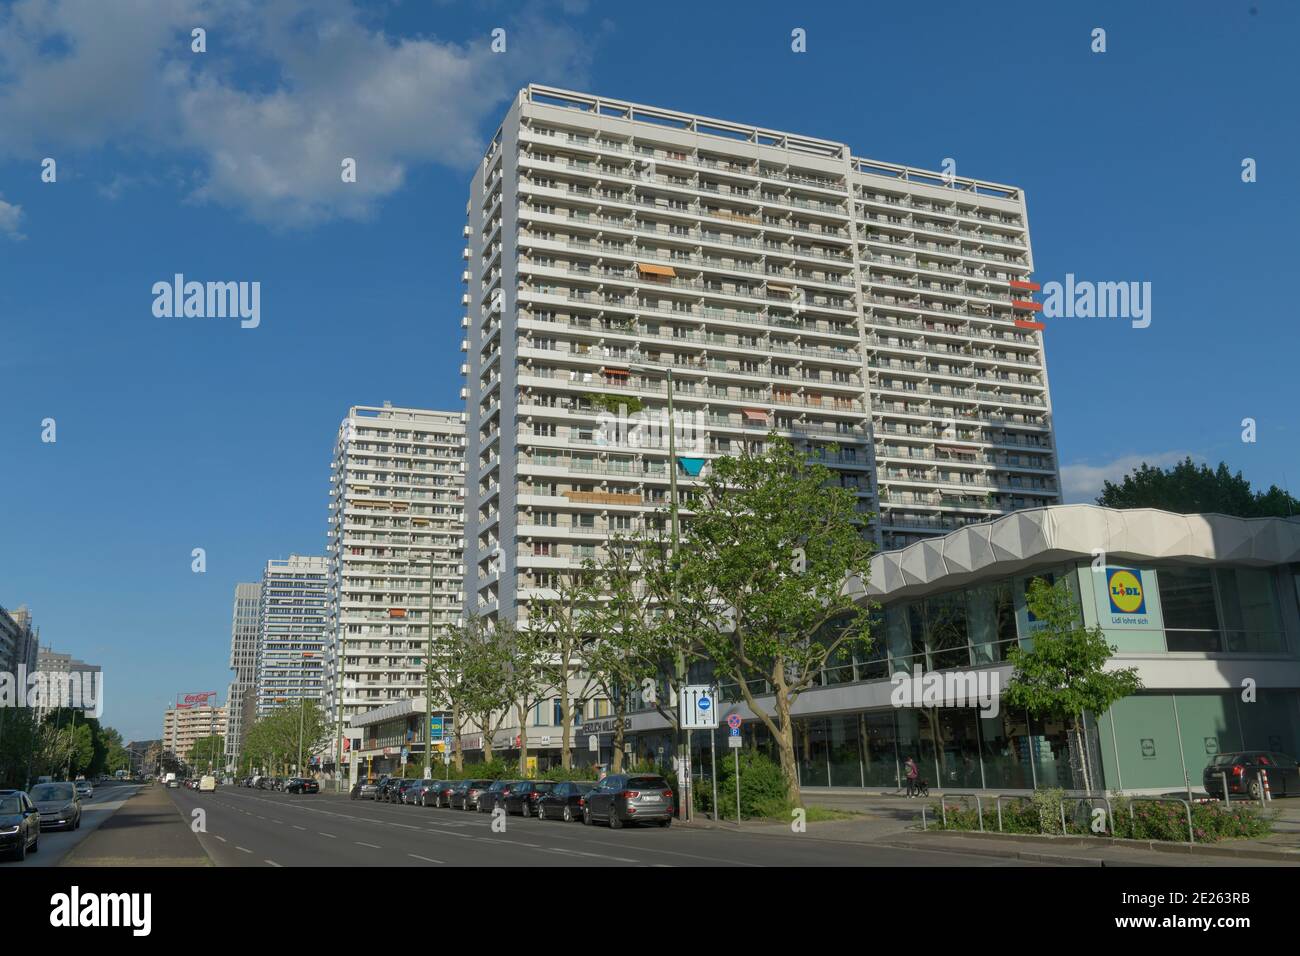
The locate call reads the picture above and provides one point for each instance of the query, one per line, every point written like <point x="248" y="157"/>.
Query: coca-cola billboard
<point x="200" y="698"/>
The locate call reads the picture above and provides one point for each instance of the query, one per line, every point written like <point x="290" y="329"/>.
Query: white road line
<point x="330" y="835"/>
<point x="371" y="845"/>
<point x="242" y="849"/>
<point x="296" y="827"/>
<point x="221" y="838"/>
<point x="424" y="858"/>
<point x="272" y="863"/>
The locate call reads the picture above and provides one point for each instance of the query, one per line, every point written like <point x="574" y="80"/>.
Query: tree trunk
<point x="566" y="730"/>
<point x="1083" y="753"/>
<point x="785" y="736"/>
<point x="457" y="728"/>
<point x="523" y="738"/>
<point x="617" y="762"/>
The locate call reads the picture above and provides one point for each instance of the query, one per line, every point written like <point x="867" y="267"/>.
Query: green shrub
<point x="493" y="769"/>
<point x="762" y="789"/>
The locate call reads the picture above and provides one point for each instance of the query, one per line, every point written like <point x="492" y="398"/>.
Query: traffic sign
<point x="697" y="710"/>
<point x="735" y="743"/>
<point x="593" y="743"/>
<point x="734" y="721"/>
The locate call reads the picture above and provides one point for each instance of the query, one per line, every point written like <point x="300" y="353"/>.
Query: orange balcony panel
<point x="1031" y="306"/>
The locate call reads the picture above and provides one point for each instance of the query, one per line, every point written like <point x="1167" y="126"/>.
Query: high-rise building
<point x="396" y="525"/>
<point x="880" y="317"/>
<point x="183" y="724"/>
<point x="67" y="682"/>
<point x="292" y="632"/>
<point x="245" y="637"/>
<point x="19" y="640"/>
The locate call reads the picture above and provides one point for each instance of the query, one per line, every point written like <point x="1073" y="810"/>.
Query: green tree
<point x="1063" y="673"/>
<point x="487" y="688"/>
<point x="1188" y="488"/>
<point x="19" y="739"/>
<point x="761" y="581"/>
<point x="207" y="752"/>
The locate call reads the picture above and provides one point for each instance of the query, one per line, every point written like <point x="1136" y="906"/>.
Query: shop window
<point x="1187" y="600"/>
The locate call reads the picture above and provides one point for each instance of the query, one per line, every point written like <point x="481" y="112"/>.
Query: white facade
<point x="396" y="526"/>
<point x="245" y="637"/>
<point x="873" y="314"/>
<point x="292" y="632"/>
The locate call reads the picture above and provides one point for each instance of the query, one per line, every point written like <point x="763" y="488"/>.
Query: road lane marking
<point x="221" y="838"/>
<point x="371" y="845"/>
<point x="272" y="863"/>
<point x="425" y="859"/>
<point x="330" y="835"/>
<point x="242" y="849"/>
<point x="296" y="827"/>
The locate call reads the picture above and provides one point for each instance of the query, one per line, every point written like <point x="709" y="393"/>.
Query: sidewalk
<point x="148" y="830"/>
<point x="889" y="819"/>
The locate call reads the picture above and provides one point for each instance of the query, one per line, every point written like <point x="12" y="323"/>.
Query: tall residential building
<point x="245" y="635"/>
<point x="68" y="682"/>
<point x="292" y="625"/>
<point x="19" y="640"/>
<point x="880" y="317"/>
<point x="183" y="724"/>
<point x="396" y="525"/>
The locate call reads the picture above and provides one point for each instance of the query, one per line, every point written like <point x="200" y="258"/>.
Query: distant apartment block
<point x="19" y="640"/>
<point x="183" y="724"/>
<point x="395" y="539"/>
<point x="56" y="668"/>
<point x="245" y="638"/>
<point x="292" y="632"/>
<point x="878" y="316"/>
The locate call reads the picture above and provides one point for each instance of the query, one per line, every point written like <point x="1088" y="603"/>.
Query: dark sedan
<point x="490" y="800"/>
<point x="1243" y="770"/>
<point x="564" y="801"/>
<point x="406" y="791"/>
<point x="630" y="798"/>
<point x="20" y="825"/>
<point x="59" y="805"/>
<point x="440" y="796"/>
<point x="301" y="785"/>
<point x="386" y="786"/>
<point x="466" y="793"/>
<point x="524" y="797"/>
<point x="423" y="791"/>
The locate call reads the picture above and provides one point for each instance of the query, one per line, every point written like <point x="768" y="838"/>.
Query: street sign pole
<point x="736" y="752"/>
<point x="713" y="770"/>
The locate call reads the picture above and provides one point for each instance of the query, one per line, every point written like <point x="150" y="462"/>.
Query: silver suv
<point x="630" y="798"/>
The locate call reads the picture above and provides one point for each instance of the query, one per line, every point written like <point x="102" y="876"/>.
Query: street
<point x="263" y="828"/>
<point x="57" y="844"/>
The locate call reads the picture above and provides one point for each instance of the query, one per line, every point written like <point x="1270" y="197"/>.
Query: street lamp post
<point x="683" y="753"/>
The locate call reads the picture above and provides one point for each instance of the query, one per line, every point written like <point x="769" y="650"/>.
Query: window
<point x="1187" y="599"/>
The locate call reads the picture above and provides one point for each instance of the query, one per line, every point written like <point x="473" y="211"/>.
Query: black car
<point x="490" y="800"/>
<point x="1243" y="768"/>
<point x="423" y="791"/>
<point x="386" y="786"/>
<point x="440" y="795"/>
<point x="465" y="795"/>
<point x="301" y="785"/>
<point x="523" y="798"/>
<point x="630" y="798"/>
<point x="20" y="824"/>
<point x="564" y="801"/>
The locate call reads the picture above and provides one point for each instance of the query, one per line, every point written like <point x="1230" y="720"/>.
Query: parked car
<point x="466" y="793"/>
<point x="386" y="784"/>
<point x="564" y="801"/>
<point x="59" y="805"/>
<point x="523" y="797"/>
<point x="629" y="798"/>
<point x="441" y="794"/>
<point x="301" y="785"/>
<point x="85" y="789"/>
<point x="403" y="792"/>
<point x="1243" y="769"/>
<point x="364" y="790"/>
<point x="20" y="824"/>
<point x="422" y="792"/>
<point x="491" y="799"/>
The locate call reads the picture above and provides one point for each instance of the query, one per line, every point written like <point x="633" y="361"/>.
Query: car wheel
<point x="36" y="844"/>
<point x="20" y="853"/>
<point x="1256" y="790"/>
<point x="614" y="822"/>
<point x="568" y="814"/>
<point x="667" y="823"/>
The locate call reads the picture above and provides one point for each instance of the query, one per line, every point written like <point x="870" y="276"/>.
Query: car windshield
<point x="52" y="791"/>
<point x="10" y="804"/>
<point x="543" y="786"/>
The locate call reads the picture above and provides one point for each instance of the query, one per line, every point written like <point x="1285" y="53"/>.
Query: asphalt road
<point x="244" y="827"/>
<point x="56" y="844"/>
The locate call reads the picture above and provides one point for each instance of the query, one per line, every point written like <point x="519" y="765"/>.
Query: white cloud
<point x="288" y="89"/>
<point x="1083" y="482"/>
<point x="11" y="217"/>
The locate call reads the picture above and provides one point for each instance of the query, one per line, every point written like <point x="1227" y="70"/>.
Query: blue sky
<point x="176" y="434"/>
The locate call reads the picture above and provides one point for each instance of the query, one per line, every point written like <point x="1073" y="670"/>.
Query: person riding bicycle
<point x="912" y="771"/>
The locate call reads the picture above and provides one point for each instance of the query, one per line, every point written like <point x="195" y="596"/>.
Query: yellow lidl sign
<point x="1126" y="593"/>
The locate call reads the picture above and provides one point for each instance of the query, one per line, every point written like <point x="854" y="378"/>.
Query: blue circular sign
<point x="704" y="703"/>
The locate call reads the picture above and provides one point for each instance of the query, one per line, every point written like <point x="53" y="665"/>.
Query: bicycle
<point x="921" y="788"/>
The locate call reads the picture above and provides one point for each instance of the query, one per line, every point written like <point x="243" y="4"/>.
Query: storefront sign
<point x="1127" y="598"/>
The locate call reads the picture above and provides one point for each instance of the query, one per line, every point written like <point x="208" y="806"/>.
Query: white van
<point x="208" y="784"/>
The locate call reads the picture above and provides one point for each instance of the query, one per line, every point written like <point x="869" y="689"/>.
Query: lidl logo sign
<point x="1125" y="587"/>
